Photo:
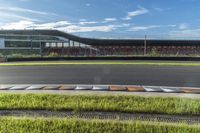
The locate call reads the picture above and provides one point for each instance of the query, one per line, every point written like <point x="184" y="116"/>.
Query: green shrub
<point x="1" y="55"/>
<point x="154" y="52"/>
<point x="53" y="54"/>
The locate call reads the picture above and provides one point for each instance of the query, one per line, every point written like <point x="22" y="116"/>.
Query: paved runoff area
<point x="148" y="75"/>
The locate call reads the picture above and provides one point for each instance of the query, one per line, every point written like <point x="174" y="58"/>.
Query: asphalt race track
<point x="102" y="74"/>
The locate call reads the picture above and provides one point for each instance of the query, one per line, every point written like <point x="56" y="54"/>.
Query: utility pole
<point x="145" y="45"/>
<point x="40" y="45"/>
<point x="31" y="37"/>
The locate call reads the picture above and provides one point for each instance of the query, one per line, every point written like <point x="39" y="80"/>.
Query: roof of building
<point x="95" y="41"/>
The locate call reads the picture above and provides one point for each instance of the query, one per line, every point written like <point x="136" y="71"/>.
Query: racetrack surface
<point x="186" y="76"/>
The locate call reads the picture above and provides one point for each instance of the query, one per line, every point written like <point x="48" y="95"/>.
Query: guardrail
<point x="124" y="88"/>
<point x="13" y="59"/>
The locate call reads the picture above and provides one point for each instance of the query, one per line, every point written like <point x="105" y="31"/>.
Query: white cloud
<point x="24" y="0"/>
<point x="110" y="20"/>
<point x="17" y="25"/>
<point x="61" y="25"/>
<point x="50" y="25"/>
<point x="158" y="9"/>
<point x="87" y="22"/>
<point x="32" y="25"/>
<point x="11" y="17"/>
<point x="14" y="14"/>
<point x="171" y="25"/>
<point x="135" y="13"/>
<point x="187" y="33"/>
<point x="183" y="26"/>
<point x="88" y="4"/>
<point x="75" y="28"/>
<point x="143" y="28"/>
<point x="125" y="25"/>
<point x="82" y="20"/>
<point x="23" y="10"/>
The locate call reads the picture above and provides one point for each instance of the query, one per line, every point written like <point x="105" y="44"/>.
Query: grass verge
<point x="132" y="104"/>
<point x="158" y="63"/>
<point x="51" y="125"/>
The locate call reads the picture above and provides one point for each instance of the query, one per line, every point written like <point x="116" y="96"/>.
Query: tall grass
<point x="160" y="105"/>
<point x="53" y="125"/>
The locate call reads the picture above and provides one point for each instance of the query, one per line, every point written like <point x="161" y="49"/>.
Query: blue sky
<point x="105" y="18"/>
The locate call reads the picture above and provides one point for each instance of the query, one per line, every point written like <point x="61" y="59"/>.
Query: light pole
<point x="40" y="45"/>
<point x="145" y="45"/>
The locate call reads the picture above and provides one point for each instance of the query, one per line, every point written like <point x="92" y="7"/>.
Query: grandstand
<point x="54" y="42"/>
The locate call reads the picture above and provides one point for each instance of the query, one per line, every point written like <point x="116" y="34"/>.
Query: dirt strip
<point x="102" y="115"/>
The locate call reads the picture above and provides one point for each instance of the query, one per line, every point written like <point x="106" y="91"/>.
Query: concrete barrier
<point x="13" y="59"/>
<point x="35" y="87"/>
<point x="68" y="87"/>
<point x="191" y="90"/>
<point x="84" y="87"/>
<point x="52" y="87"/>
<point x="152" y="88"/>
<point x="172" y="89"/>
<point x="5" y="87"/>
<point x="135" y="88"/>
<point x="100" y="88"/>
<point x="118" y="88"/>
<point x="19" y="87"/>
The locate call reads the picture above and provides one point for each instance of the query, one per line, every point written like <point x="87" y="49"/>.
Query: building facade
<point x="47" y="42"/>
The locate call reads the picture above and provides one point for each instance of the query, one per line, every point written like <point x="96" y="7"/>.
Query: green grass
<point x="133" y="104"/>
<point x="54" y="125"/>
<point x="47" y="63"/>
